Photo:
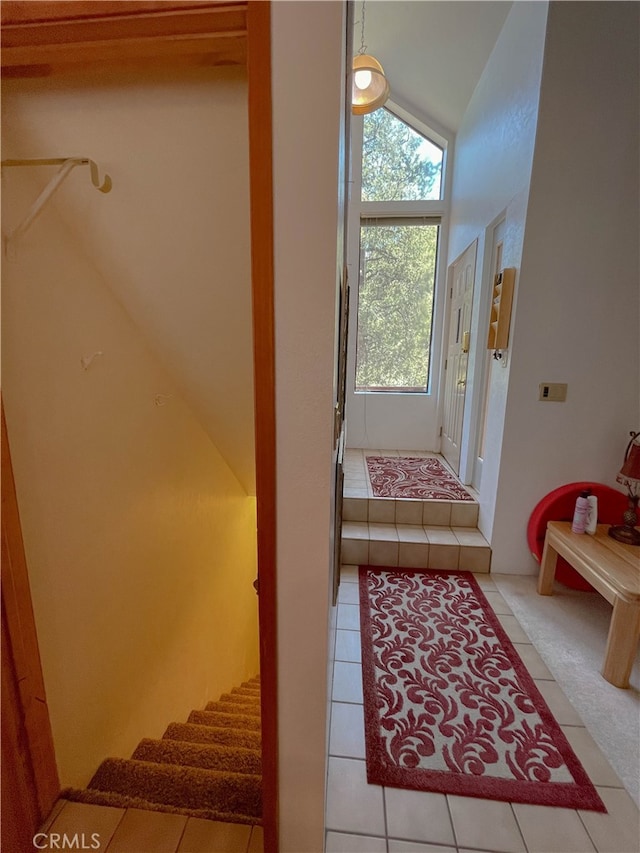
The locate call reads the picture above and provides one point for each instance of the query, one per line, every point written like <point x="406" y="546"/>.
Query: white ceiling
<point x="432" y="51"/>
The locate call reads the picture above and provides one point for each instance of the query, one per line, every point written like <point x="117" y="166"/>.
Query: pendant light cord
<point x="362" y="44"/>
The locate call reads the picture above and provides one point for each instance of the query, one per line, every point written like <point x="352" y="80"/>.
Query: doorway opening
<point x="140" y="387"/>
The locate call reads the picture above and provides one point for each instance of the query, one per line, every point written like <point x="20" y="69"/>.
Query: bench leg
<point x="622" y="643"/>
<point x="547" y="569"/>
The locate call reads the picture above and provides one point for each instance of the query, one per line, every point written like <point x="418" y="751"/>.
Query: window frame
<point x="435" y="210"/>
<point x="411" y="221"/>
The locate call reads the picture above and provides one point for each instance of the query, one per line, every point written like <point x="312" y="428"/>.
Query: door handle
<point x="466" y="339"/>
<point x="462" y="381"/>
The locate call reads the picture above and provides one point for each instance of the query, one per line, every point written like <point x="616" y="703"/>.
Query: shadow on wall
<point x="140" y="540"/>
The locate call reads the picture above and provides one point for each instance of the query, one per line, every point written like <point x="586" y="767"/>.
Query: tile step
<point x="410" y="511"/>
<point x="415" y="546"/>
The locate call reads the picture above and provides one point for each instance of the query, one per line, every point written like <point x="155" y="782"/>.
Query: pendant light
<point x="370" y="88"/>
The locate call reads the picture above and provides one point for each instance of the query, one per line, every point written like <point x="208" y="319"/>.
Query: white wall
<point x="172" y="238"/>
<point x="140" y="542"/>
<point x="307" y="42"/>
<point x="492" y="167"/>
<point x="577" y="311"/>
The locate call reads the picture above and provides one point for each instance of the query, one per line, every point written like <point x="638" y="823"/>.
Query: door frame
<point x="479" y="330"/>
<point x="30" y="783"/>
<point x="483" y="366"/>
<point x="220" y="33"/>
<point x="469" y="367"/>
<point x="262" y="282"/>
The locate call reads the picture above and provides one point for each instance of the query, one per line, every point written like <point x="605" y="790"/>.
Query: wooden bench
<point x="613" y="569"/>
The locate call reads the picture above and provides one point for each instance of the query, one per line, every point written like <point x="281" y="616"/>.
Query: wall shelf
<point x="500" y="319"/>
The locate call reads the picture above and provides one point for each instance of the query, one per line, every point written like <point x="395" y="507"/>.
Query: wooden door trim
<point x="198" y="46"/>
<point x="262" y="277"/>
<point x="31" y="785"/>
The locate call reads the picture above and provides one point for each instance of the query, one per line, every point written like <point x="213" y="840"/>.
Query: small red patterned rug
<point x="413" y="477"/>
<point x="449" y="706"/>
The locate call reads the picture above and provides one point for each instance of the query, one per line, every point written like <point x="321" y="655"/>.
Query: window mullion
<point x="371" y="209"/>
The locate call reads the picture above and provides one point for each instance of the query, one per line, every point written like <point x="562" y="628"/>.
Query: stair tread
<point x="242" y="708"/>
<point x="233" y="759"/>
<point x="221" y="720"/>
<point x="109" y="798"/>
<point x="223" y="735"/>
<point x="241" y="698"/>
<point x="169" y="770"/>
<point x="177" y="785"/>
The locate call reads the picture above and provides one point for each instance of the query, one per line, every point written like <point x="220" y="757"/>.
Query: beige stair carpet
<point x="209" y="767"/>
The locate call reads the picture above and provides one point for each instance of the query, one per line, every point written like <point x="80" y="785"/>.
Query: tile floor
<point x="364" y="818"/>
<point x="356" y="478"/>
<point x="138" y="831"/>
<point x="407" y="532"/>
<point x="569" y="630"/>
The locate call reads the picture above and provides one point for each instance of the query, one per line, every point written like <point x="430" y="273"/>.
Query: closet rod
<point x="66" y="165"/>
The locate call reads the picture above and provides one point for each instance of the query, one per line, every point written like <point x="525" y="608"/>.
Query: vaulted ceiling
<point x="433" y="51"/>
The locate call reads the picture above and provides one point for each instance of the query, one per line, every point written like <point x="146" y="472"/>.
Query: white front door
<point x="461" y="281"/>
<point x="496" y="266"/>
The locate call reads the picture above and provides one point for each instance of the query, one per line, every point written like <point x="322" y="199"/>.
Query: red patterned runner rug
<point x="449" y="706"/>
<point x="413" y="477"/>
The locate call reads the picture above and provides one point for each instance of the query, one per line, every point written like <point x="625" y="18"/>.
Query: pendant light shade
<point x="370" y="88"/>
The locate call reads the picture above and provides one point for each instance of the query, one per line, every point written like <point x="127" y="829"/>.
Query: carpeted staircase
<point x="208" y="767"/>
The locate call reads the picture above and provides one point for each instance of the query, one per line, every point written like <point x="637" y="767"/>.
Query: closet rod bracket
<point x="66" y="164"/>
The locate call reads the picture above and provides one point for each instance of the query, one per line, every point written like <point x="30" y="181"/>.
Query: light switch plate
<point x="553" y="392"/>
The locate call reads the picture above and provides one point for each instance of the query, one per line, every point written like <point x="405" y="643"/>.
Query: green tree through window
<point x="397" y="257"/>
<point x="398" y="163"/>
<point x="396" y="304"/>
